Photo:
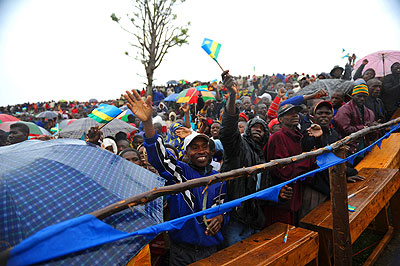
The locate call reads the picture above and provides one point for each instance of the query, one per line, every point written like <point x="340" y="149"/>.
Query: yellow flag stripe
<point x="101" y="115"/>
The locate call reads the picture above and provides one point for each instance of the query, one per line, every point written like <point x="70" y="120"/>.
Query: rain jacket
<point x="243" y="151"/>
<point x="189" y="201"/>
<point x="391" y="93"/>
<point x="348" y="120"/>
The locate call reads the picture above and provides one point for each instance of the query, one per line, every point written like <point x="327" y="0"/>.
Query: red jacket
<point x="282" y="144"/>
<point x="348" y="120"/>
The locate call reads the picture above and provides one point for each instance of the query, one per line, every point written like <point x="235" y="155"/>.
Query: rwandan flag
<point x="105" y="113"/>
<point x="211" y="48"/>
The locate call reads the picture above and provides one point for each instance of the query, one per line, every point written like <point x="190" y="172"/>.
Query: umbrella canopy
<point x="329" y="85"/>
<point x="187" y="95"/>
<point x="93" y="101"/>
<point x="64" y="123"/>
<point x="172" y="82"/>
<point x="47" y="182"/>
<point x="183" y="81"/>
<point x="81" y="126"/>
<point x="34" y="130"/>
<point x="171" y="98"/>
<point x="7" y="118"/>
<point x="380" y="61"/>
<point x="47" y="114"/>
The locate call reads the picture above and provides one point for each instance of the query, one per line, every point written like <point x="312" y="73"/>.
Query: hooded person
<point x="110" y="145"/>
<point x="391" y="91"/>
<point x="242" y="151"/>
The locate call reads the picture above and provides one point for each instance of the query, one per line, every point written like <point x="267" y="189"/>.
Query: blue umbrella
<point x="45" y="183"/>
<point x="171" y="98"/>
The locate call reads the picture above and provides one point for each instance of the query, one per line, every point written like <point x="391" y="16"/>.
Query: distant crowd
<point x="252" y="120"/>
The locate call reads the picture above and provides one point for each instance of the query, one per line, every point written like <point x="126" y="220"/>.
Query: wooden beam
<point x="237" y="173"/>
<point x="342" y="252"/>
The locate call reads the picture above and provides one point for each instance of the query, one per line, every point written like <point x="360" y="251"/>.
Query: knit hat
<point x="272" y="123"/>
<point x="362" y="88"/>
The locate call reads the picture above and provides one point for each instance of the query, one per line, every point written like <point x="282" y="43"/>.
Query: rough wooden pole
<point x="342" y="252"/>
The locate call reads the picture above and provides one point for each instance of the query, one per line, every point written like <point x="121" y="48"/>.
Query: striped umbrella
<point x="7" y="118"/>
<point x="34" y="130"/>
<point x="188" y="96"/>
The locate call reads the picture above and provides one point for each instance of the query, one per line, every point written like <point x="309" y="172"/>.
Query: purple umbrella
<point x="380" y="61"/>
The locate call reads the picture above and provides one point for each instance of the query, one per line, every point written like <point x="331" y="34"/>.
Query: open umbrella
<point x="7" y="118"/>
<point x="92" y="101"/>
<point x="183" y="81"/>
<point x="47" y="114"/>
<point x="34" y="130"/>
<point x="47" y="182"/>
<point x="329" y="85"/>
<point x="171" y="98"/>
<point x="380" y="61"/>
<point x="188" y="96"/>
<point x="81" y="126"/>
<point x="172" y="82"/>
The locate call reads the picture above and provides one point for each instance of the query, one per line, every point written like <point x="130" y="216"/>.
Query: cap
<point x="191" y="137"/>
<point x="288" y="107"/>
<point x="272" y="123"/>
<point x="323" y="103"/>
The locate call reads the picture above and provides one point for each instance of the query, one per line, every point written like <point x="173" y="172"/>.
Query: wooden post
<point x="342" y="253"/>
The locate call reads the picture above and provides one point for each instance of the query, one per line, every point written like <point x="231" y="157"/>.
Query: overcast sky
<point x="71" y="49"/>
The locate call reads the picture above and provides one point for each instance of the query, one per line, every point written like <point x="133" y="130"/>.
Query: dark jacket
<point x="376" y="105"/>
<point x="391" y="93"/>
<point x="320" y="181"/>
<point x="348" y="120"/>
<point x="243" y="151"/>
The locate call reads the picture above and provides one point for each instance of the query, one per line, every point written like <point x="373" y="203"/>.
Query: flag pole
<point x="219" y="65"/>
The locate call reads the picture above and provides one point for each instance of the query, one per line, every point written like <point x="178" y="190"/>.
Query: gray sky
<point x="59" y="49"/>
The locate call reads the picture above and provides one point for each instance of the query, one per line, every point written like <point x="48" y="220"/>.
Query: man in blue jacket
<point x="195" y="240"/>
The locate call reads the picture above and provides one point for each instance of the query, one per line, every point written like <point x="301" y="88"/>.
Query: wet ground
<point x="391" y="255"/>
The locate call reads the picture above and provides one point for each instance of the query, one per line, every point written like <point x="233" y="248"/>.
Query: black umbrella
<point x="330" y="85"/>
<point x="172" y="82"/>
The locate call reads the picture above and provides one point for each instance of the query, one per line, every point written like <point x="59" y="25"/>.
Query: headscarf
<point x="173" y="140"/>
<point x="109" y="142"/>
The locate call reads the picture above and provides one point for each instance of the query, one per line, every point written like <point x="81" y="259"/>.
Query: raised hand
<point x="320" y="93"/>
<point x="315" y="130"/>
<point x="229" y="81"/>
<point x="143" y="110"/>
<point x="365" y="61"/>
<point x="185" y="107"/>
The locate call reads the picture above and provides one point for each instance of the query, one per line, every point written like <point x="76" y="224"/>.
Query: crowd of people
<point x="252" y="120"/>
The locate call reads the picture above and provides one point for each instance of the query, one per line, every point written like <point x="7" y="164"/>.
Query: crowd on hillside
<point x="252" y="120"/>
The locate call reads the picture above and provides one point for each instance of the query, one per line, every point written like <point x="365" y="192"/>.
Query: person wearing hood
<point x="391" y="90"/>
<point x="243" y="151"/>
<point x="367" y="75"/>
<point x="374" y="102"/>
